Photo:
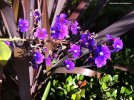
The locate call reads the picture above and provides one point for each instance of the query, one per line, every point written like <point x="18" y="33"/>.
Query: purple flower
<point x="38" y="58"/>
<point x="91" y="43"/>
<point x="48" y="61"/>
<point x="100" y="61"/>
<point x="87" y="40"/>
<point x="61" y="19"/>
<point x="102" y="53"/>
<point x="75" y="50"/>
<point x="23" y="25"/>
<point x="118" y="44"/>
<point x="59" y="31"/>
<point x="41" y="33"/>
<point x="74" y="26"/>
<point x="62" y="16"/>
<point x="60" y="28"/>
<point x="69" y="64"/>
<point x="84" y="38"/>
<point x="36" y="15"/>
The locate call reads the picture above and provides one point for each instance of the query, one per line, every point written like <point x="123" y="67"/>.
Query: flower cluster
<point x="87" y="40"/>
<point x="61" y="27"/>
<point x="61" y="32"/>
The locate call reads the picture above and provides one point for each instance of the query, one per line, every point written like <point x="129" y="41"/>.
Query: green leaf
<point x="44" y="97"/>
<point x="122" y="89"/>
<point x="111" y="99"/>
<point x="69" y="79"/>
<point x="130" y="98"/>
<point x="108" y="94"/>
<point x="82" y="93"/>
<point x="55" y="83"/>
<point x="81" y="77"/>
<point x="127" y="91"/>
<point x="77" y="77"/>
<point x="107" y="78"/>
<point x="68" y="87"/>
<point x="5" y="53"/>
<point x="54" y="61"/>
<point x="104" y="86"/>
<point x="72" y="88"/>
<point x="114" y="94"/>
<point x="73" y="96"/>
<point x="115" y="78"/>
<point x="78" y="97"/>
<point x="65" y="91"/>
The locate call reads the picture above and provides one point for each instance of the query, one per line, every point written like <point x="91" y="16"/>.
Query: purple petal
<point x="100" y="61"/>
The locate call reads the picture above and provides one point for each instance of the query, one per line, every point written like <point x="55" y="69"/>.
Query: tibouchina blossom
<point x="23" y="25"/>
<point x="75" y="50"/>
<point x="103" y="53"/>
<point x="69" y="64"/>
<point x="41" y="33"/>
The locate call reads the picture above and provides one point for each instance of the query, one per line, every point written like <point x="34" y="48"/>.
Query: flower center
<point x="101" y="53"/>
<point x="118" y="46"/>
<point x="67" y="66"/>
<point x="53" y="31"/>
<point x="75" y="51"/>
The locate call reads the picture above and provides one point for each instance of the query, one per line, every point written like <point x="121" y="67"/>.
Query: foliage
<point x="109" y="87"/>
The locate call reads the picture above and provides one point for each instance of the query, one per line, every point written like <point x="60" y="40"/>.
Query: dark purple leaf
<point x="8" y="18"/>
<point x="22" y="69"/>
<point x="118" y="28"/>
